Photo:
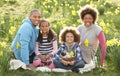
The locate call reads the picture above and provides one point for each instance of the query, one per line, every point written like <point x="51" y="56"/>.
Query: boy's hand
<point x="72" y="62"/>
<point x="64" y="62"/>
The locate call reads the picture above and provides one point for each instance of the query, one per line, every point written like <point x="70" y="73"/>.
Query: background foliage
<point x="60" y="13"/>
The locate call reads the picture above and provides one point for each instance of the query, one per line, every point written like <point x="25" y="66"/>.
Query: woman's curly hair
<point x="87" y="9"/>
<point x="72" y="30"/>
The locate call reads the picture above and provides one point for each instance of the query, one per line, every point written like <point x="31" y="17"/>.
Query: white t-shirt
<point x="91" y="35"/>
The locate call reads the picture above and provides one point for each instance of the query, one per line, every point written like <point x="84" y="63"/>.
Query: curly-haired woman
<point x="91" y="35"/>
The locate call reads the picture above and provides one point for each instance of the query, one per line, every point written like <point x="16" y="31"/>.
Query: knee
<point x="55" y="61"/>
<point x="36" y="62"/>
<point x="82" y="64"/>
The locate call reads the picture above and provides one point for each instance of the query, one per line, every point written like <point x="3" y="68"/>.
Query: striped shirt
<point x="46" y="47"/>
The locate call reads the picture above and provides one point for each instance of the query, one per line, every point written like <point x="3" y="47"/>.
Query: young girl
<point x="46" y="45"/>
<point x="69" y="54"/>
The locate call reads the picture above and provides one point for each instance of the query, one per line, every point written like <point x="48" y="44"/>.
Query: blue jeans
<point x="78" y="64"/>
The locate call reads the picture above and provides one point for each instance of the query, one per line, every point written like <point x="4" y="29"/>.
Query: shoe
<point x="75" y="70"/>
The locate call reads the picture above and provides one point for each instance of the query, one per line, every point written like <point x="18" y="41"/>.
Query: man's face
<point x="35" y="18"/>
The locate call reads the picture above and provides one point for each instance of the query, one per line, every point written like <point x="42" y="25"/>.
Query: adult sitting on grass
<point x="24" y="41"/>
<point x="91" y="35"/>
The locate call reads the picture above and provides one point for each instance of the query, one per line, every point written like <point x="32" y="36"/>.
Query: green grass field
<point x="60" y="13"/>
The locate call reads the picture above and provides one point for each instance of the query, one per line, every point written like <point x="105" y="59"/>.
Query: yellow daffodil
<point x="12" y="30"/>
<point x="74" y="13"/>
<point x="86" y="42"/>
<point x="1" y="53"/>
<point x="3" y="44"/>
<point x="17" y="45"/>
<point x="108" y="43"/>
<point x="119" y="43"/>
<point x="2" y="22"/>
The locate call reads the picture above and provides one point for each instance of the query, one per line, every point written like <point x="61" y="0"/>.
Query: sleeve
<point x="102" y="41"/>
<point x="57" y="55"/>
<point x="78" y="54"/>
<point x="36" y="48"/>
<point x="25" y="35"/>
<point x="55" y="47"/>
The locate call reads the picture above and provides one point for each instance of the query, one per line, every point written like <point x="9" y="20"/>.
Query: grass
<point x="95" y="72"/>
<point x="11" y="16"/>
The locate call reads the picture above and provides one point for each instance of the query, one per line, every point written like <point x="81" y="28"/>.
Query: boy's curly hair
<point x="72" y="30"/>
<point x="87" y="9"/>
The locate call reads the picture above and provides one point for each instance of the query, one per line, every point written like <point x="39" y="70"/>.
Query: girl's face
<point x="44" y="27"/>
<point x="88" y="20"/>
<point x="69" y="38"/>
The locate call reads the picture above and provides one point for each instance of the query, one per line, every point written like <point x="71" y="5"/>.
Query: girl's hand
<point x="48" y="56"/>
<point x="42" y="57"/>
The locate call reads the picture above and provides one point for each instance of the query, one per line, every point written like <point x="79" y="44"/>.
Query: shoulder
<point x="80" y="27"/>
<point x="97" y="29"/>
<point x="76" y="45"/>
<point x="62" y="45"/>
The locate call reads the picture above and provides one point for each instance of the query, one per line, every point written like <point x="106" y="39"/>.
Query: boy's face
<point x="69" y="38"/>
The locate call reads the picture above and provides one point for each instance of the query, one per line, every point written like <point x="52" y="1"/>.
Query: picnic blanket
<point x="16" y="64"/>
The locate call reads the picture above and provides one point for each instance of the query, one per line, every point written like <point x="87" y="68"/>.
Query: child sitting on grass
<point x="46" y="45"/>
<point x="69" y="53"/>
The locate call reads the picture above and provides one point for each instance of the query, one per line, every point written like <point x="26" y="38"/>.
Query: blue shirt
<point x="24" y="41"/>
<point x="64" y="48"/>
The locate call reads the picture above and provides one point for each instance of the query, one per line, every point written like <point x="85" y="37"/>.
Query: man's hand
<point x="30" y="66"/>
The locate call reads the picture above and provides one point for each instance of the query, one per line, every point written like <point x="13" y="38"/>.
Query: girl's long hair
<point x="50" y="34"/>
<point x="49" y="38"/>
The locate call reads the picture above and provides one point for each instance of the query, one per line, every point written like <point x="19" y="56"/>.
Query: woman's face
<point x="44" y="27"/>
<point x="88" y="20"/>
<point x="69" y="38"/>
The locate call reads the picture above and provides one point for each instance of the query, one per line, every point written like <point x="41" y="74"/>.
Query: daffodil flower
<point x="1" y="53"/>
<point x="86" y="42"/>
<point x="18" y="45"/>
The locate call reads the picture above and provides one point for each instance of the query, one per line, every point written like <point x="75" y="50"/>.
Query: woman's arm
<point x="102" y="40"/>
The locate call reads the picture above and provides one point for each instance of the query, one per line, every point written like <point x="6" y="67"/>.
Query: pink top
<point x="102" y="41"/>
